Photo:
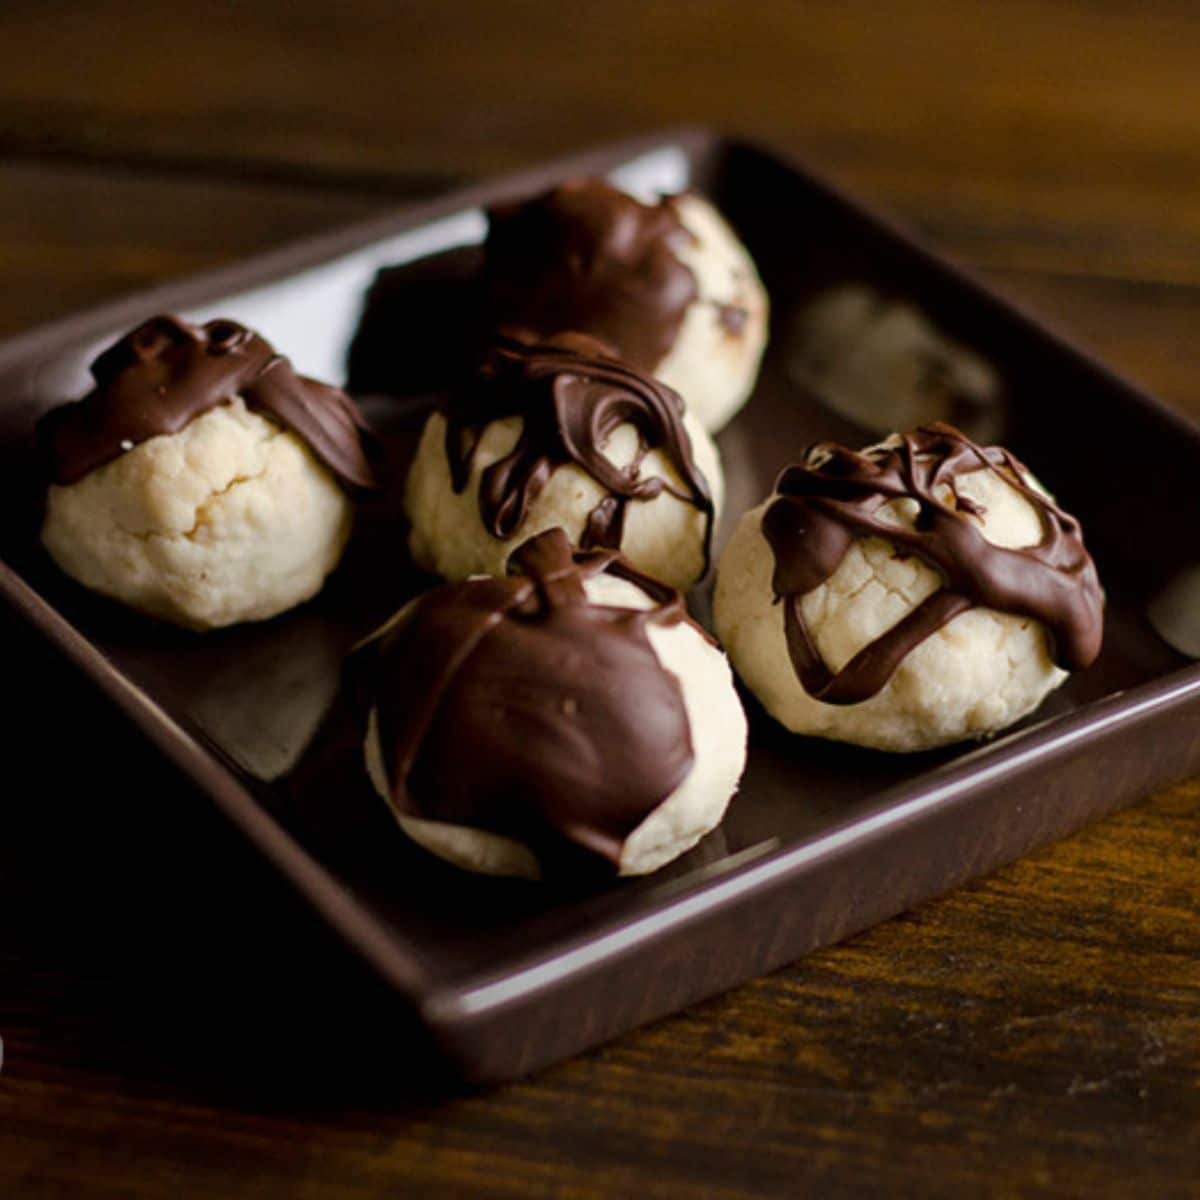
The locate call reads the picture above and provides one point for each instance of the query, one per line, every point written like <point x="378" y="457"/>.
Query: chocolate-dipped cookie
<point x="922" y="591"/>
<point x="600" y="721"/>
<point x="667" y="284"/>
<point x="202" y="481"/>
<point x="561" y="434"/>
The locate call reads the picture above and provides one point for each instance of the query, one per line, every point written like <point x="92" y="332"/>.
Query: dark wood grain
<point x="180" y="1025"/>
<point x="72" y="236"/>
<point x="920" y="95"/>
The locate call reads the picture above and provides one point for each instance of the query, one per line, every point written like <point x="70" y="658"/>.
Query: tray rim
<point x="443" y="1006"/>
<point x="312" y="250"/>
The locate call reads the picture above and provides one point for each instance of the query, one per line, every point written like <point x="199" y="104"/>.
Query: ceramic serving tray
<point x="822" y="840"/>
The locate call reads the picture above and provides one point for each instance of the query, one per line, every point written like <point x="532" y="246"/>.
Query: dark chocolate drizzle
<point x="585" y="256"/>
<point x="516" y="706"/>
<point x="570" y="395"/>
<point x="821" y="509"/>
<point x="155" y="380"/>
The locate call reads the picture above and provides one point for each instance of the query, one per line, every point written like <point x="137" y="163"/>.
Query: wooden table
<point x="180" y="1025"/>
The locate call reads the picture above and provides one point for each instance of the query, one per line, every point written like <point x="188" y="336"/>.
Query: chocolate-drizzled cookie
<point x="570" y="394"/>
<point x="822" y="507"/>
<point x="157" y="379"/>
<point x="585" y="256"/>
<point x="515" y="705"/>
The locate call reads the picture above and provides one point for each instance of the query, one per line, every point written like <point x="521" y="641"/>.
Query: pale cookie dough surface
<point x="695" y="808"/>
<point x="231" y="519"/>
<point x="973" y="677"/>
<point x="711" y="367"/>
<point x="663" y="537"/>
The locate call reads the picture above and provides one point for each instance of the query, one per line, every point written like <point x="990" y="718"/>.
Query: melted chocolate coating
<point x="516" y="706"/>
<point x="585" y="256"/>
<point x="570" y="395"/>
<point x="423" y="327"/>
<point x="165" y="373"/>
<point x="822" y="508"/>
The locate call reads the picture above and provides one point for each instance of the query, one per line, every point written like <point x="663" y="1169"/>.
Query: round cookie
<point x="563" y="435"/>
<point x="668" y="285"/>
<point x="921" y="592"/>
<point x="202" y="481"/>
<point x="602" y="724"/>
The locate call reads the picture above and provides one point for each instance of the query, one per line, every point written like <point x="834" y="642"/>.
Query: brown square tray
<point x="822" y="841"/>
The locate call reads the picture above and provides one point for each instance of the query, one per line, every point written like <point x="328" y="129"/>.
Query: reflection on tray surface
<point x="1175" y="612"/>
<point x="881" y="363"/>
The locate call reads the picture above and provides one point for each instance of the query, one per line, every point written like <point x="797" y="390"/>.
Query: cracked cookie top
<point x="909" y="492"/>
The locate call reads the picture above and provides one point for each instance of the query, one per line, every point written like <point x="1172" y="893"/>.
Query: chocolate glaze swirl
<point x="586" y="256"/>
<point x="156" y="379"/>
<point x="823" y="507"/>
<point x="570" y="395"/>
<point x="517" y="706"/>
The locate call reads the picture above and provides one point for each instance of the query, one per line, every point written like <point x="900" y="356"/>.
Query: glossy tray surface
<point x="822" y="841"/>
